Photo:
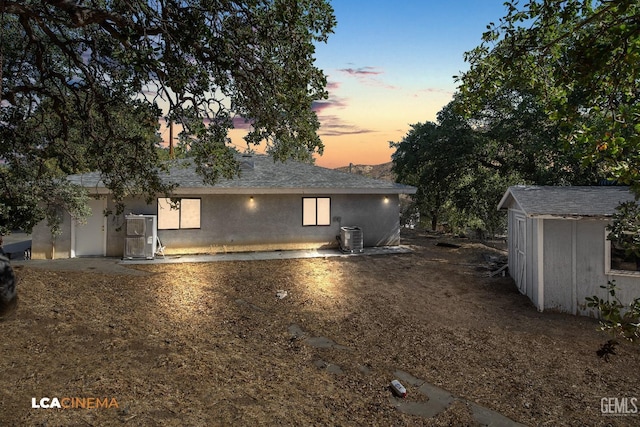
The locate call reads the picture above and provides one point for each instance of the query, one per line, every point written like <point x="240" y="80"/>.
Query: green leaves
<point x="624" y="230"/>
<point x="581" y="60"/>
<point x="615" y="317"/>
<point x="85" y="84"/>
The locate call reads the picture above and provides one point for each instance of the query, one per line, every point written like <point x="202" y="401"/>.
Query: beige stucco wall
<point x="46" y="246"/>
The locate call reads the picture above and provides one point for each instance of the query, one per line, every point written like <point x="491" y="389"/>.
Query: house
<point x="558" y="248"/>
<point x="270" y="206"/>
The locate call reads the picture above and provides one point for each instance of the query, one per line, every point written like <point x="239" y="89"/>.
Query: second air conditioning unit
<point x="141" y="236"/>
<point x="351" y="240"/>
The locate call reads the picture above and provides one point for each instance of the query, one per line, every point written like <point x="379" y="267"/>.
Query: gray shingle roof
<point x="566" y="201"/>
<point x="267" y="176"/>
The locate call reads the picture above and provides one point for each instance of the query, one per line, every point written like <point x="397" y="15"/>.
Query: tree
<point x="520" y="139"/>
<point x="582" y="60"/>
<point x="433" y="157"/>
<point x="84" y="84"/>
<point x="462" y="164"/>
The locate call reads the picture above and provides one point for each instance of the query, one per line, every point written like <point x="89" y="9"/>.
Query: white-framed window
<point x="183" y="213"/>
<point x="316" y="211"/>
<point x="617" y="262"/>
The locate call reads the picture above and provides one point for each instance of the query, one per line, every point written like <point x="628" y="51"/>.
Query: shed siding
<point x="590" y="258"/>
<point x="531" y="288"/>
<point x="558" y="250"/>
<point x="535" y="262"/>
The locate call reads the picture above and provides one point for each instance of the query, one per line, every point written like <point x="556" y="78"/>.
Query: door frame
<point x="520" y="252"/>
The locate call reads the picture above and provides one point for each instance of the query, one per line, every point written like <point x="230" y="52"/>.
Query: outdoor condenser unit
<point x="351" y="239"/>
<point x="141" y="236"/>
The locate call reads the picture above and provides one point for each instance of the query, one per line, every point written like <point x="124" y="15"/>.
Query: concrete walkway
<point x="269" y="255"/>
<point x="119" y="266"/>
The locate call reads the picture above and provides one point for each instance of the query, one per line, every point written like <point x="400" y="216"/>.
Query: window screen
<point x="185" y="213"/>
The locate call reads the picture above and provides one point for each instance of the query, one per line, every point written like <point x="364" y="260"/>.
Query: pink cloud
<point x="332" y="86"/>
<point x="368" y="76"/>
<point x="431" y="90"/>
<point x="320" y="106"/>
<point x="331" y="125"/>
<point x="240" y="122"/>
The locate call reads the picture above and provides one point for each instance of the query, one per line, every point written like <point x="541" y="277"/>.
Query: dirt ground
<point x="211" y="344"/>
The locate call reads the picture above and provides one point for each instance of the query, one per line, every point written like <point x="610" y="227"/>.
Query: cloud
<point x="331" y="125"/>
<point x="432" y="90"/>
<point x="333" y="86"/>
<point x="332" y="102"/>
<point x="368" y="76"/>
<point x="240" y="122"/>
<point x="362" y="71"/>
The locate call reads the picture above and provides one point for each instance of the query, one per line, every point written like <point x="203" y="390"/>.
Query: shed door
<point x="520" y="254"/>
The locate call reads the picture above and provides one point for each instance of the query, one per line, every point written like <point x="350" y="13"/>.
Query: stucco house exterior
<point x="271" y="206"/>
<point x="558" y="248"/>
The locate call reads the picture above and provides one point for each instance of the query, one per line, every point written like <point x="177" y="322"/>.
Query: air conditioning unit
<point x="351" y="240"/>
<point x="141" y="236"/>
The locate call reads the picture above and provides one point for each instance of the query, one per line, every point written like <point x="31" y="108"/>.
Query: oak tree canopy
<point x="84" y="84"/>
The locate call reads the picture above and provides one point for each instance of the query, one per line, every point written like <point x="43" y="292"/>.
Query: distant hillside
<point x="382" y="171"/>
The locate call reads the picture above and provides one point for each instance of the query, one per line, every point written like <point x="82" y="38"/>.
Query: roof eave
<point x="291" y="190"/>
<point x="568" y="216"/>
<point x="267" y="190"/>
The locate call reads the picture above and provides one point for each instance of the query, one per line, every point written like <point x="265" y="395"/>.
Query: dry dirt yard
<point x="211" y="344"/>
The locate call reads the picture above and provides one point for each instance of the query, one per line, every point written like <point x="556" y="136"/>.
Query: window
<point x="184" y="214"/>
<point x="618" y="261"/>
<point x="316" y="211"/>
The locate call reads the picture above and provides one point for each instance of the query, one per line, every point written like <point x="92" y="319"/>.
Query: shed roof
<point x="565" y="201"/>
<point x="260" y="174"/>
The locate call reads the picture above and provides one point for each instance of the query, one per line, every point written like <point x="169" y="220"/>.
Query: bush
<point x="615" y="317"/>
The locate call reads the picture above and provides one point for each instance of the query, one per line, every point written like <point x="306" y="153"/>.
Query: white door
<point x="521" y="254"/>
<point x="90" y="237"/>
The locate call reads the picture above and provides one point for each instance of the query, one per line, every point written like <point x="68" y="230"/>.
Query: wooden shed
<point x="559" y="253"/>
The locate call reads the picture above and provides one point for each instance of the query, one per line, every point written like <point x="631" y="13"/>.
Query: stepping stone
<point x="317" y="342"/>
<point x="329" y="367"/>
<point x="324" y="342"/>
<point x="247" y="304"/>
<point x="407" y="378"/>
<point x="420" y="409"/>
<point x="296" y="331"/>
<point x="489" y="418"/>
<point x="436" y="395"/>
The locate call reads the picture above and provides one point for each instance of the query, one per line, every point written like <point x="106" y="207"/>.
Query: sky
<point x="390" y="64"/>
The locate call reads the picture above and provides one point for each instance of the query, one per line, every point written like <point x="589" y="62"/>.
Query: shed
<point x="559" y="253"/>
<point x="270" y="206"/>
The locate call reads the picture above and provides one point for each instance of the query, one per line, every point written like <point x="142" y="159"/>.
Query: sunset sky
<point x="390" y="65"/>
